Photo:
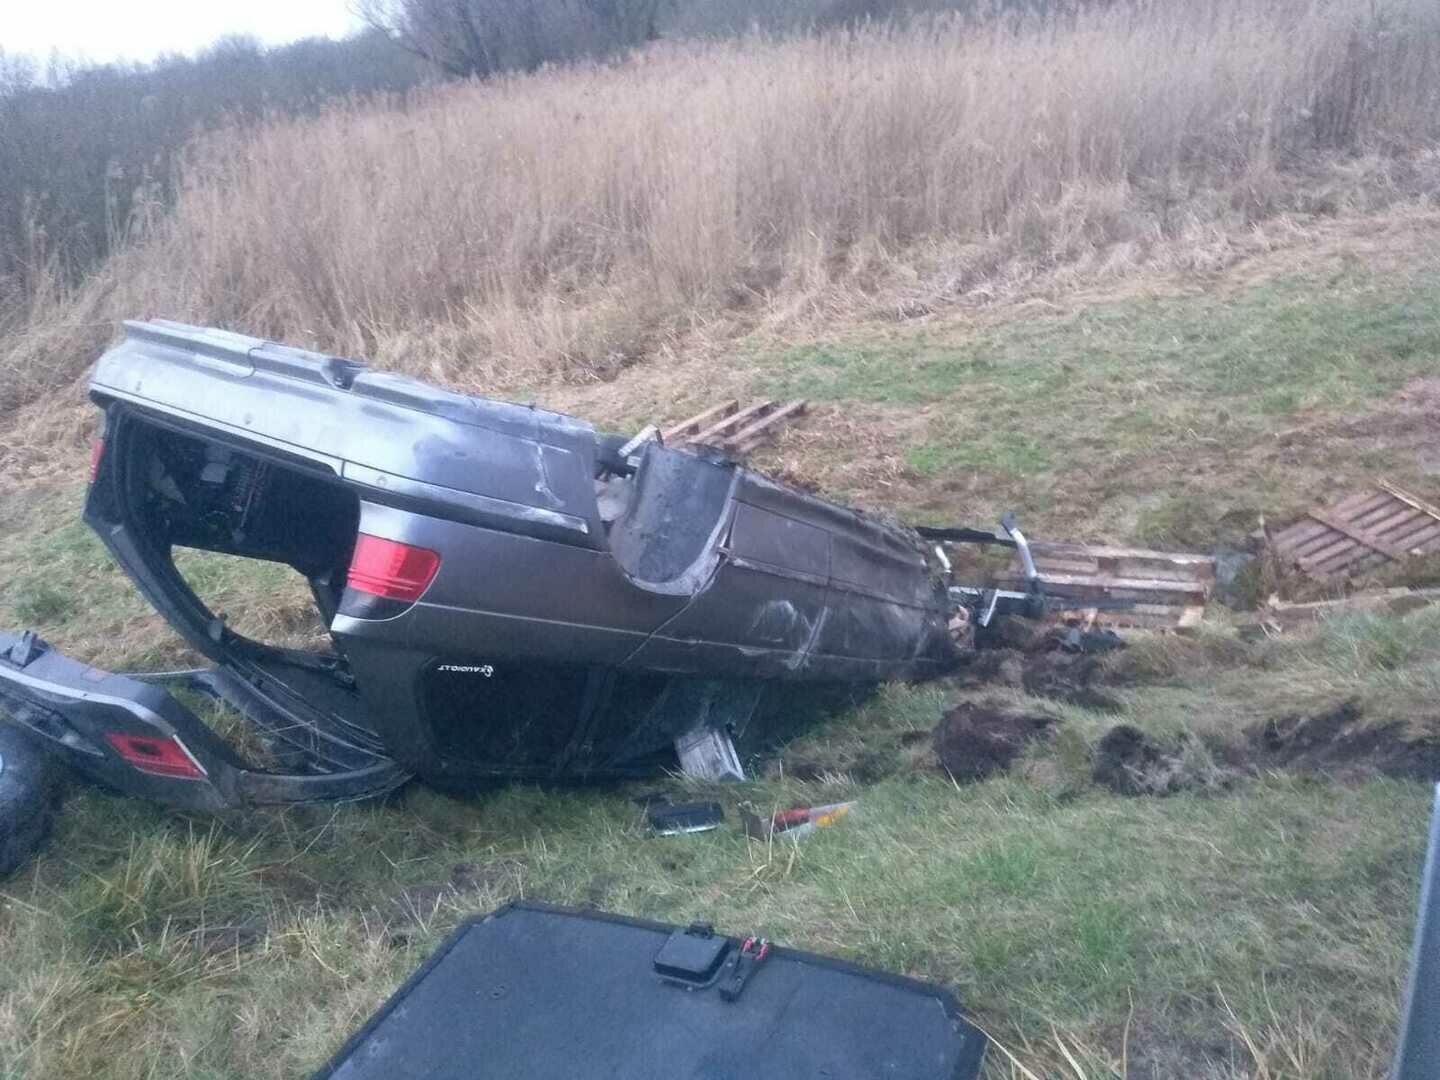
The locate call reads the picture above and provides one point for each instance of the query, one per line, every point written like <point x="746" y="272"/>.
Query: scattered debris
<point x="975" y="741"/>
<point x="673" y="819"/>
<point x="708" y="753"/>
<point x="1163" y="590"/>
<point x="796" y="822"/>
<point x="1062" y="665"/>
<point x="1360" y="532"/>
<point x="1075" y="640"/>
<point x="734" y="429"/>
<point x="1278" y="616"/>
<point x="1014" y="632"/>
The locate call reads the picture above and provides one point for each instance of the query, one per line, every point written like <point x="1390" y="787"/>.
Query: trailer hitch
<point x="985" y="603"/>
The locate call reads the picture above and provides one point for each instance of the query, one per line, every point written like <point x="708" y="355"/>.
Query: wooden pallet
<point x="1165" y="590"/>
<point x="1359" y="533"/>
<point x="734" y="429"/>
<point x="1278" y="616"/>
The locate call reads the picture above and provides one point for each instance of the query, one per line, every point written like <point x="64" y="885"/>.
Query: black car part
<point x="30" y="783"/>
<point x="1417" y="1053"/>
<point x="532" y="991"/>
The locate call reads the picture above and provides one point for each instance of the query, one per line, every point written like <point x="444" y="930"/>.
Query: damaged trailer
<point x="507" y="592"/>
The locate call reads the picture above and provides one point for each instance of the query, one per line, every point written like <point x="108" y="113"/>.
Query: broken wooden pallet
<point x="1165" y="590"/>
<point x="1359" y="533"/>
<point x="1278" y="616"/>
<point x="734" y="429"/>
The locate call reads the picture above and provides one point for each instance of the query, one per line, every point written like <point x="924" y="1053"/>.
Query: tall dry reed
<point x="565" y="223"/>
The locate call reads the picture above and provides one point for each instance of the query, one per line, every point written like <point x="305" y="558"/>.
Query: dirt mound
<point x="1128" y="762"/>
<point x="1059" y="663"/>
<point x="1340" y="742"/>
<point x="974" y="741"/>
<point x="1337" y="742"/>
<point x="1068" y="677"/>
<point x="991" y="667"/>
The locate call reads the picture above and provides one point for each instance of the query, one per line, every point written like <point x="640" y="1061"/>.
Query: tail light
<point x="157" y="756"/>
<point x="97" y="451"/>
<point x="390" y="569"/>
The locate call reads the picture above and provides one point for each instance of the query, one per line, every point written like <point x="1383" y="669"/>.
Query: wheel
<point x="31" y="781"/>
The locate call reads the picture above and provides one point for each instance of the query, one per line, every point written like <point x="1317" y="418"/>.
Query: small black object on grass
<point x="672" y="819"/>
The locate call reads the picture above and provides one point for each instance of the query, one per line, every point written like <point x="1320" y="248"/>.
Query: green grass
<point x="1252" y="927"/>
<point x="1039" y="911"/>
<point x="61" y="582"/>
<point x="1270" y="351"/>
<point x="1127" y="415"/>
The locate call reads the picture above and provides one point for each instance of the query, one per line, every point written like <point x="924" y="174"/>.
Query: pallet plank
<point x="1106" y="584"/>
<point x="1100" y="551"/>
<point x="1414" y="500"/>
<point x="699" y="420"/>
<point x="1163" y="590"/>
<point x="1358" y="534"/>
<point x="1306" y="529"/>
<point x="1361" y="531"/>
<point x="731" y="423"/>
<point x="747" y="438"/>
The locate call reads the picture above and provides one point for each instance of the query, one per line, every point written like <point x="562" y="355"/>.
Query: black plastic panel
<point x="506" y="712"/>
<point x="536" y="993"/>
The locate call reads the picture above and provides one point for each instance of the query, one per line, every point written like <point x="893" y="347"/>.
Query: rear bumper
<point x="90" y="715"/>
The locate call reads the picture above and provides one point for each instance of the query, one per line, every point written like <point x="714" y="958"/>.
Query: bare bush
<point x="485" y="37"/>
<point x="563" y="224"/>
<point x="87" y="151"/>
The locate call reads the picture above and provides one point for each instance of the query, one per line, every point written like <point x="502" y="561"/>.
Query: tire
<point x="31" y="783"/>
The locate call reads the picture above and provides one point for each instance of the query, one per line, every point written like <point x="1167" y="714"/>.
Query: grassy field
<point x="1254" y="924"/>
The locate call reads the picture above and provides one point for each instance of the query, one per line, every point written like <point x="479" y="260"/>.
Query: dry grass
<point x="566" y="224"/>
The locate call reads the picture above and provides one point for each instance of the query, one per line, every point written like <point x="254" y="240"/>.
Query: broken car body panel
<point x="507" y="595"/>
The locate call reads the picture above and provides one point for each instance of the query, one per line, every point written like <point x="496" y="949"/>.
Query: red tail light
<point x="97" y="451"/>
<point x="391" y="569"/>
<point x="156" y="756"/>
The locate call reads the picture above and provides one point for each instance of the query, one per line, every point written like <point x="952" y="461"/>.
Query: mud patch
<point x="991" y="667"/>
<point x="1339" y="742"/>
<point x="976" y="741"/>
<point x="1129" y="762"/>
<point x="1056" y="662"/>
<point x="1409" y="421"/>
<point x="1070" y="678"/>
<point x="1406" y="422"/>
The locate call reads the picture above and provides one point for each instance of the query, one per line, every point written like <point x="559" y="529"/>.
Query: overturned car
<point x="507" y="592"/>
